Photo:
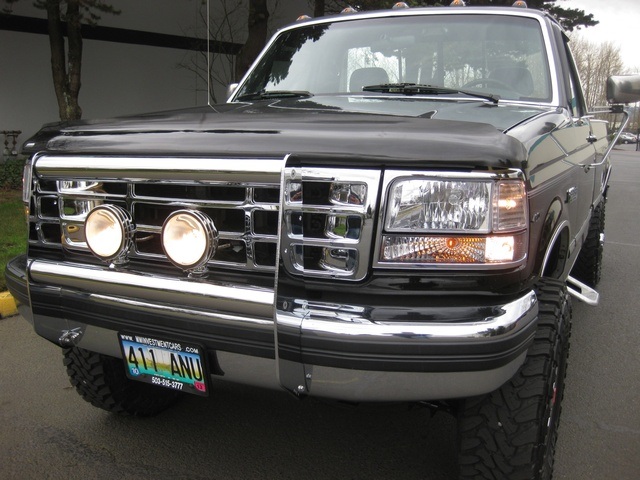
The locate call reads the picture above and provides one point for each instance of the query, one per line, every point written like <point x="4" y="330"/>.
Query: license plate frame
<point x="171" y="364"/>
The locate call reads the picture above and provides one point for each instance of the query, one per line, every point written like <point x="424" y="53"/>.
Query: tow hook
<point x="69" y="337"/>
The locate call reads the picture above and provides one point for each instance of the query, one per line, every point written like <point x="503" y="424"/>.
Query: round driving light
<point x="189" y="239"/>
<point x="109" y="230"/>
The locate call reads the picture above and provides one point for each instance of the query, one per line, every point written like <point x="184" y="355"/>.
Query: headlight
<point x="109" y="232"/>
<point x="189" y="239"/>
<point x="416" y="204"/>
<point x="459" y="221"/>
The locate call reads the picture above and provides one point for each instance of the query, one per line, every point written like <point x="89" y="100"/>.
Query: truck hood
<point x="432" y="133"/>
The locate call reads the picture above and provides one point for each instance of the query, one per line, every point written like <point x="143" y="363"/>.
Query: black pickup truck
<point x="391" y="206"/>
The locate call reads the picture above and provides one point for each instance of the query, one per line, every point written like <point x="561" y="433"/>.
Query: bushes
<point x="11" y="172"/>
<point x="13" y="228"/>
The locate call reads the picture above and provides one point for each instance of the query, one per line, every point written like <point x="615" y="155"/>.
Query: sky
<point x="619" y="24"/>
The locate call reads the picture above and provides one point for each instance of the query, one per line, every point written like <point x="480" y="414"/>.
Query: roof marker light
<point x="399" y="5"/>
<point x="349" y="10"/>
<point x="302" y="18"/>
<point x="458" y="3"/>
<point x="520" y="4"/>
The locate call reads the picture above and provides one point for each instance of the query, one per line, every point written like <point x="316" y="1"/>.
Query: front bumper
<point x="16" y="278"/>
<point x="255" y="336"/>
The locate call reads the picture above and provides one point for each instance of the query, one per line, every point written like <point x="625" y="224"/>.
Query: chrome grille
<point x="241" y="196"/>
<point x="329" y="221"/>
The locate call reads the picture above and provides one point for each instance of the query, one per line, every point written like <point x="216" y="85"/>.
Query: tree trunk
<point x="257" y="25"/>
<point x="66" y="74"/>
<point x="74" y="59"/>
<point x="318" y="8"/>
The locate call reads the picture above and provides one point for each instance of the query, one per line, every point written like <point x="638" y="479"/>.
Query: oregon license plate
<point x="165" y="363"/>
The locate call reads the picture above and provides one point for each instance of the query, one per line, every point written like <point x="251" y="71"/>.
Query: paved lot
<point x="47" y="431"/>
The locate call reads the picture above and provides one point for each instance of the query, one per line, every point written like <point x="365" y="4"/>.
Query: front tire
<point x="101" y="380"/>
<point x="511" y="433"/>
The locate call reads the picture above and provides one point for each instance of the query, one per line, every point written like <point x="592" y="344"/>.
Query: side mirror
<point x="623" y="89"/>
<point x="231" y="89"/>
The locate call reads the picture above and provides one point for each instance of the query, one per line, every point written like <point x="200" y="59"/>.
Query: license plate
<point x="165" y="363"/>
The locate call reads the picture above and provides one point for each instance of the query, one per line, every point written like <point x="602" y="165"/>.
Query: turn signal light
<point x="425" y="249"/>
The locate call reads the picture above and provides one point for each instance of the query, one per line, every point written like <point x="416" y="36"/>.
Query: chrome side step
<point x="582" y="292"/>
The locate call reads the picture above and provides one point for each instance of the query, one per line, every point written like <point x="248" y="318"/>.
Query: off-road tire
<point x="588" y="266"/>
<point x="511" y="433"/>
<point x="101" y="380"/>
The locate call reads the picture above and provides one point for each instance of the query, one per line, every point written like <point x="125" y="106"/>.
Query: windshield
<point x="493" y="54"/>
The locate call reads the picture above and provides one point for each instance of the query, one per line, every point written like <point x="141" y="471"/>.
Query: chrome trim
<point x="360" y="385"/>
<point x="326" y="382"/>
<point x="251" y="309"/>
<point x="339" y="324"/>
<point x="572" y="195"/>
<point x="550" y="245"/>
<point x="264" y="324"/>
<point x="27" y="181"/>
<point x="614" y="141"/>
<point x="344" y="321"/>
<point x="205" y="171"/>
<point x="582" y="291"/>
<point x="157" y="290"/>
<point x="368" y="386"/>
<point x="361" y="246"/>
<point x="123" y="177"/>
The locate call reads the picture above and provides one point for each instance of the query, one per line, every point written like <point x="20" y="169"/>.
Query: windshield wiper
<point x="267" y="94"/>
<point x="414" y="89"/>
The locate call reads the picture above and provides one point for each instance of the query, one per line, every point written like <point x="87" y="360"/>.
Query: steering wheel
<point x="489" y="82"/>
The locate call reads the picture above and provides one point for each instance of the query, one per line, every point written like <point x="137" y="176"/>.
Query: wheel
<point x="511" y="433"/>
<point x="101" y="380"/>
<point x="588" y="266"/>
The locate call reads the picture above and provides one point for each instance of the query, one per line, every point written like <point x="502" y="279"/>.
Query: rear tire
<point x="511" y="433"/>
<point x="101" y="380"/>
<point x="588" y="266"/>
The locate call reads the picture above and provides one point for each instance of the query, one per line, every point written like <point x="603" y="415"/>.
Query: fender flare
<point x="555" y="238"/>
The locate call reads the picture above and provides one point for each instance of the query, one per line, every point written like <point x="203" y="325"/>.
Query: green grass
<point x="13" y="229"/>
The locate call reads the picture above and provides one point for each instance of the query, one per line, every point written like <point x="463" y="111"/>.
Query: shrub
<point x="11" y="172"/>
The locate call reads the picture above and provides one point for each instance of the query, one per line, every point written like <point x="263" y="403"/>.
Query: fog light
<point x="189" y="239"/>
<point x="109" y="232"/>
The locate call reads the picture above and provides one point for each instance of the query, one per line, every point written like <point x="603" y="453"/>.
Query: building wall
<point x="118" y="78"/>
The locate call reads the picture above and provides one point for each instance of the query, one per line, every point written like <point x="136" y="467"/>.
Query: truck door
<point x="578" y="140"/>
